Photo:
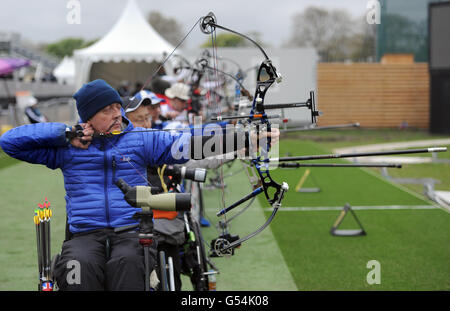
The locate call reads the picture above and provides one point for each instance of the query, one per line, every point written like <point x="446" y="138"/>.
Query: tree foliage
<point x="334" y="34"/>
<point x="403" y="35"/>
<point x="225" y="39"/>
<point x="65" y="47"/>
<point x="167" y="27"/>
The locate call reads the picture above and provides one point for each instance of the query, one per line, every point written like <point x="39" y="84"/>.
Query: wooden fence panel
<point x="373" y="94"/>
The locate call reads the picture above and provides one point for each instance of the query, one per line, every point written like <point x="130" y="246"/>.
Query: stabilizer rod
<point x="355" y="155"/>
<point x="296" y="165"/>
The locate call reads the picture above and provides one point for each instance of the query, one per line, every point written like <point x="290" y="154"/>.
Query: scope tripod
<point x="144" y="197"/>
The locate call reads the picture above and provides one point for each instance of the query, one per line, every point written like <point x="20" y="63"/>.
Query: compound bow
<point x="273" y="191"/>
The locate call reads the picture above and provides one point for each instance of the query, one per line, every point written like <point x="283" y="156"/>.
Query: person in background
<point x="137" y="87"/>
<point x="32" y="112"/>
<point x="143" y="109"/>
<point x="159" y="87"/>
<point x="136" y="109"/>
<point x="124" y="88"/>
<point x="178" y="95"/>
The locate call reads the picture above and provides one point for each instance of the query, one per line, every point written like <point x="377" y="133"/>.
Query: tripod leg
<point x="147" y="268"/>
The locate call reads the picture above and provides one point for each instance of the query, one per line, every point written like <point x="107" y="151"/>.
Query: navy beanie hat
<point x="93" y="97"/>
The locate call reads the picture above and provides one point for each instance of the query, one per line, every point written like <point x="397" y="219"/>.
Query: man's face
<point x="108" y="119"/>
<point x="178" y="104"/>
<point x="140" y="117"/>
<point x="154" y="111"/>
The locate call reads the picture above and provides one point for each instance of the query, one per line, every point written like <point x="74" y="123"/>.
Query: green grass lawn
<point x="332" y="139"/>
<point x="5" y="160"/>
<point x="411" y="245"/>
<point x="440" y="172"/>
<point x="258" y="264"/>
<point x="337" y="185"/>
<point x="22" y="187"/>
<point x="440" y="155"/>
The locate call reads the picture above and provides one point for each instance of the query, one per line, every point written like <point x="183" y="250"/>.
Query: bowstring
<point x="151" y="77"/>
<point x="219" y="112"/>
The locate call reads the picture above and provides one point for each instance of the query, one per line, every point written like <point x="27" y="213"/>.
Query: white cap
<point x="178" y="90"/>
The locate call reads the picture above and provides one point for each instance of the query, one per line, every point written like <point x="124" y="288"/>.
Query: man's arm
<point x="35" y="143"/>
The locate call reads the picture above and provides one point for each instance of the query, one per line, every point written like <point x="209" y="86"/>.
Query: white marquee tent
<point x="65" y="71"/>
<point x="129" y="51"/>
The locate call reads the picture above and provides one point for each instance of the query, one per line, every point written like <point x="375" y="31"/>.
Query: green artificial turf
<point x="411" y="245"/>
<point x="338" y="186"/>
<point x="22" y="187"/>
<point x="341" y="138"/>
<point x="258" y="264"/>
<point x="438" y="171"/>
<point x="6" y="160"/>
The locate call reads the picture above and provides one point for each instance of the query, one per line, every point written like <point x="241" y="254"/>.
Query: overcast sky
<point x="44" y="21"/>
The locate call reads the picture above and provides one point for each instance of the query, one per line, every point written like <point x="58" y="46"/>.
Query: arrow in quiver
<point x="42" y="217"/>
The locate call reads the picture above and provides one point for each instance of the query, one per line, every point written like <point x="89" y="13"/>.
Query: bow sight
<point x="310" y="104"/>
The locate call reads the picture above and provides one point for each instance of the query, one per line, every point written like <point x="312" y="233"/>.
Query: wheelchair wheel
<point x="164" y="286"/>
<point x="199" y="277"/>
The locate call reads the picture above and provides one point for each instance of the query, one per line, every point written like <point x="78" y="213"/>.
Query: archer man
<point x="91" y="161"/>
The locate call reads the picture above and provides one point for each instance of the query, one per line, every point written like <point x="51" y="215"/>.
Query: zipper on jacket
<point x="105" y="184"/>
<point x="114" y="165"/>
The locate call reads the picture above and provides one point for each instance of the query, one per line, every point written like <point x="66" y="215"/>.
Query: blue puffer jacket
<point x="93" y="201"/>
